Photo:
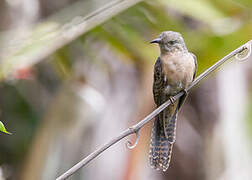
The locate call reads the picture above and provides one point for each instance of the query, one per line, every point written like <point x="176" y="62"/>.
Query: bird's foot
<point x="172" y="99"/>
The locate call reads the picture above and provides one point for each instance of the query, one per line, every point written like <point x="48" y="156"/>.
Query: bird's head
<point x="170" y="41"/>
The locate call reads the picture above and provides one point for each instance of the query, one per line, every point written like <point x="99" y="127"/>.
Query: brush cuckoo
<point x="174" y="70"/>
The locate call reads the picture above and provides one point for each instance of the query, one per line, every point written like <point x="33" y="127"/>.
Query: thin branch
<point x="136" y="128"/>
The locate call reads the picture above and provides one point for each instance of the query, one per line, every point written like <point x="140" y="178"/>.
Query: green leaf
<point x="2" y="128"/>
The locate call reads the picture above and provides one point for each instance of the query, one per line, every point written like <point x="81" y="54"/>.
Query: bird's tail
<point x="162" y="139"/>
<point x="169" y="122"/>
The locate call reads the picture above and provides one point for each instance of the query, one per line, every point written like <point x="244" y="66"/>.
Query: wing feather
<point x="158" y="83"/>
<point x="196" y="65"/>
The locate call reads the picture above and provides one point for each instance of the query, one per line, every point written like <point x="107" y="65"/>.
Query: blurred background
<point x="75" y="73"/>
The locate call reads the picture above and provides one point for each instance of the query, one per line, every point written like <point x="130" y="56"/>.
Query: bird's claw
<point x="172" y="99"/>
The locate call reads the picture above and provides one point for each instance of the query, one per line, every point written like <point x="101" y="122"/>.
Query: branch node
<point x="245" y="53"/>
<point x="129" y="144"/>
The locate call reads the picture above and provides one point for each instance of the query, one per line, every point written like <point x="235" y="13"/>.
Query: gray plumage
<point x="174" y="70"/>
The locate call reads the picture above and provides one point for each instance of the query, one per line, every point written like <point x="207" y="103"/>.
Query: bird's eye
<point x="172" y="42"/>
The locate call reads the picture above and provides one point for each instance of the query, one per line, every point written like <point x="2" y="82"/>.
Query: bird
<point x="174" y="70"/>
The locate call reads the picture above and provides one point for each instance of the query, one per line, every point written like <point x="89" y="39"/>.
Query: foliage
<point x="210" y="28"/>
<point x="2" y="128"/>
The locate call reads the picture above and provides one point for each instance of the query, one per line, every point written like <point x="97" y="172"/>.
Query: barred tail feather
<point x="160" y="148"/>
<point x="170" y="121"/>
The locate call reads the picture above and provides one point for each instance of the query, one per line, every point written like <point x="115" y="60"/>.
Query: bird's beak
<point x="157" y="40"/>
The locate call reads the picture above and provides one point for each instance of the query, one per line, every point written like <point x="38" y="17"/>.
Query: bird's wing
<point x="196" y="65"/>
<point x="160" y="147"/>
<point x="158" y="83"/>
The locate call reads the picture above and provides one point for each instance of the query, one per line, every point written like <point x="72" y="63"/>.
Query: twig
<point x="136" y="128"/>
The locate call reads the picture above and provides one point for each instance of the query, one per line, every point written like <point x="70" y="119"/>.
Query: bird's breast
<point x="178" y="69"/>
